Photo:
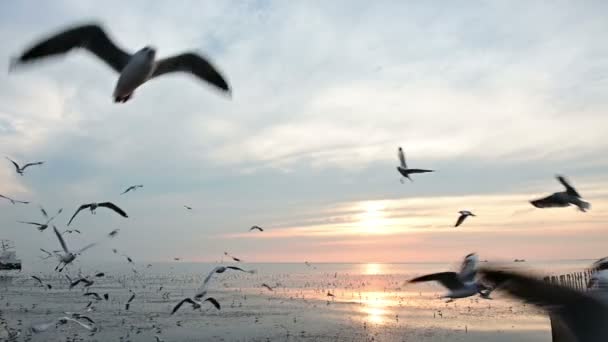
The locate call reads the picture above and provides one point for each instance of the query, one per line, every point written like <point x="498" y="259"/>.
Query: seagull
<point x="86" y="282"/>
<point x="93" y="206"/>
<point x="70" y="231"/>
<point x="232" y="257"/>
<point x="68" y="257"/>
<point x="48" y="254"/>
<point x="256" y="227"/>
<point x="404" y="171"/>
<point x="94" y="294"/>
<point x="43" y="226"/>
<point x="268" y="287"/>
<point x="48" y="286"/>
<point x="113" y="233"/>
<point x="132" y="187"/>
<point x="460" y="285"/>
<point x="218" y="269"/>
<point x="562" y="199"/>
<point x="128" y="304"/>
<point x="196" y="304"/>
<point x="38" y="328"/>
<point x="20" y="170"/>
<point x="134" y="70"/>
<point x="13" y="201"/>
<point x="583" y="314"/>
<point x="187" y="207"/>
<point x="463" y="216"/>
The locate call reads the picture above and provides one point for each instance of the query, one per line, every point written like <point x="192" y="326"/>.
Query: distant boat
<point x="8" y="257"/>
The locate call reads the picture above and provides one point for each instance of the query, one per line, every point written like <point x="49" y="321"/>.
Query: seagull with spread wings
<point x="93" y="206"/>
<point x="134" y="69"/>
<point x="68" y="256"/>
<point x="196" y="304"/>
<point x="563" y="198"/>
<point x="256" y="228"/>
<point x="132" y="188"/>
<point x="43" y="226"/>
<point x="462" y="217"/>
<point x="404" y="170"/>
<point x="21" y="169"/>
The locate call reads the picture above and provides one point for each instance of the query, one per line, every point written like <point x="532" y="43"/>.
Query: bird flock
<point x="135" y="69"/>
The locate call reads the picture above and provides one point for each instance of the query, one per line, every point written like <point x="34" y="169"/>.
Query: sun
<point x="373" y="219"/>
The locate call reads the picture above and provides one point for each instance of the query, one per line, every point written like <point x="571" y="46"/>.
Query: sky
<point x="497" y="96"/>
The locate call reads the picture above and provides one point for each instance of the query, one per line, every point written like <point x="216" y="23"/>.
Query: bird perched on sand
<point x="563" y="198"/>
<point x="94" y="206"/>
<point x="463" y="216"/>
<point x="21" y="169"/>
<point x="134" y="69"/>
<point x="404" y="170"/>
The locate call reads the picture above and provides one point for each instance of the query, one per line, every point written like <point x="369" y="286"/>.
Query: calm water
<point x="365" y="302"/>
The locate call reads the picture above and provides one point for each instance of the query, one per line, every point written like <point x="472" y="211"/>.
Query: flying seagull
<point x="463" y="216"/>
<point x="218" y="269"/>
<point x="113" y="233"/>
<point x="132" y="187"/>
<point x="21" y="169"/>
<point x="134" y="69"/>
<point x="460" y="285"/>
<point x="196" y="304"/>
<point x="13" y="201"/>
<point x="562" y="199"/>
<point x="68" y="256"/>
<point x="38" y="328"/>
<point x="268" y="287"/>
<point x="404" y="171"/>
<point x="187" y="207"/>
<point x="48" y="286"/>
<point x="232" y="257"/>
<point x="583" y="314"/>
<point x="256" y="227"/>
<point x="43" y="226"/>
<point x="93" y="206"/>
<point x="86" y="282"/>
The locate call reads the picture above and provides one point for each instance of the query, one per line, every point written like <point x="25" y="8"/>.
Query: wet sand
<point x="363" y="308"/>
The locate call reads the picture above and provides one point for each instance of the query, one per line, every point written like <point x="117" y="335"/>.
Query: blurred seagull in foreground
<point x="583" y="315"/>
<point x="463" y="216"/>
<point x="21" y="169"/>
<point x="68" y="256"/>
<point x="462" y="284"/>
<point x="132" y="188"/>
<point x="38" y="328"/>
<point x="562" y="199"/>
<point x="43" y="226"/>
<point x="403" y="169"/>
<point x="134" y="69"/>
<point x="94" y="206"/>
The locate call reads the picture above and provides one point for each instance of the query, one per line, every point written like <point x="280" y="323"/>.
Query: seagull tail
<point x="585" y="206"/>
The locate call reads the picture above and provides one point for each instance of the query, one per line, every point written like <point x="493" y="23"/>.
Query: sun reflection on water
<point x="373" y="269"/>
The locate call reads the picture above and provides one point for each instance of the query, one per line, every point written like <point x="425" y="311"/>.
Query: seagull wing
<point x="569" y="188"/>
<point x="85" y="248"/>
<point x="84" y="206"/>
<point x="236" y="268"/>
<point x="194" y="64"/>
<point x="40" y="281"/>
<point x="214" y="302"/>
<point x="401" y="158"/>
<point x="584" y="315"/>
<point x="461" y="219"/>
<point x="32" y="223"/>
<point x="114" y="207"/>
<point x="131" y="299"/>
<point x="419" y="171"/>
<point x="552" y="201"/>
<point x="268" y="287"/>
<point x="89" y="328"/>
<point x="179" y="305"/>
<point x="447" y="279"/>
<point x="210" y="275"/>
<point x="14" y="163"/>
<point x="31" y="164"/>
<point x="90" y="37"/>
<point x="44" y="212"/>
<point x="61" y="241"/>
<point x="86" y="318"/>
<point x="127" y="190"/>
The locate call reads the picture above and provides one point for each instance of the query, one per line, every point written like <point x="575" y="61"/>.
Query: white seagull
<point x="38" y="328"/>
<point x="132" y="187"/>
<point x="43" y="226"/>
<point x="562" y="199"/>
<point x="134" y="69"/>
<point x="463" y="216"/>
<point x="462" y="284"/>
<point x="68" y="256"/>
<point x="93" y="206"/>
<point x="21" y="169"/>
<point x="582" y="314"/>
<point x="403" y="169"/>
